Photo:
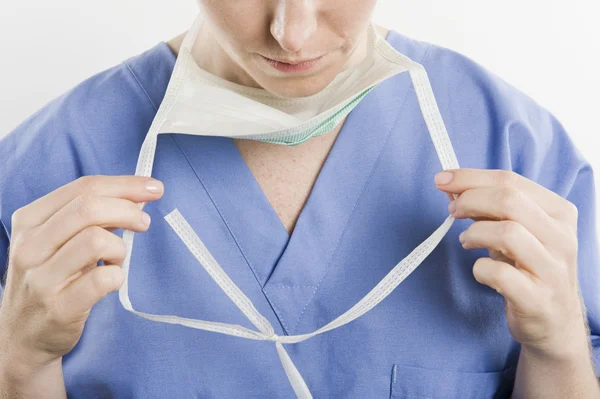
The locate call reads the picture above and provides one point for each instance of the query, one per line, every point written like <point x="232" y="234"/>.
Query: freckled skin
<point x="230" y="45"/>
<point x="287" y="174"/>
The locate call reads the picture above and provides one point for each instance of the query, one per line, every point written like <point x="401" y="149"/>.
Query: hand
<point x="53" y="281"/>
<point x="531" y="235"/>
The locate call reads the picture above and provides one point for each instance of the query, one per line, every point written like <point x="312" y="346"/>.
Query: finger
<point x="497" y="255"/>
<point x="464" y="179"/>
<point x="513" y="241"/>
<point x="82" y="252"/>
<point x="133" y="188"/>
<point x="80" y="295"/>
<point x="83" y="212"/>
<point x="507" y="203"/>
<point x="514" y="285"/>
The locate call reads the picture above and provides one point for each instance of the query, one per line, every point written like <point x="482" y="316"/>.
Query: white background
<point x="549" y="49"/>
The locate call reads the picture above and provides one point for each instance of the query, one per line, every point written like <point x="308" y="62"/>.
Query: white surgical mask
<point x="193" y="106"/>
<point x="301" y="108"/>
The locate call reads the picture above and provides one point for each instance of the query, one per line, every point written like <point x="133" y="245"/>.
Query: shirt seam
<point x="256" y="275"/>
<point x="231" y="233"/>
<point x="141" y="85"/>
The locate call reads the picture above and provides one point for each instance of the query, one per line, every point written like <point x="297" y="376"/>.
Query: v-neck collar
<point x="245" y="210"/>
<point x="291" y="268"/>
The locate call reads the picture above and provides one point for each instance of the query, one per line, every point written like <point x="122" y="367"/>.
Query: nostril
<point x="293" y="24"/>
<point x="289" y="41"/>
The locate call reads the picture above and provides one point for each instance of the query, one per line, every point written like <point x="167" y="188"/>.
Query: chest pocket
<point x="426" y="383"/>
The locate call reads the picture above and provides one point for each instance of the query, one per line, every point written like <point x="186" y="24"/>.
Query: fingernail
<point x="452" y="206"/>
<point x="145" y="219"/>
<point x="461" y="237"/>
<point x="154" y="186"/>
<point x="443" y="178"/>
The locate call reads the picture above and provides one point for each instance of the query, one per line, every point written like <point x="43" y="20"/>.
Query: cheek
<point x="242" y="24"/>
<point x="349" y="18"/>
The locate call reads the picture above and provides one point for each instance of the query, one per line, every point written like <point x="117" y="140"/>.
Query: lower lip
<point x="291" y="68"/>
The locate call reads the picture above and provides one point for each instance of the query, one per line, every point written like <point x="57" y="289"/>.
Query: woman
<point x="304" y="231"/>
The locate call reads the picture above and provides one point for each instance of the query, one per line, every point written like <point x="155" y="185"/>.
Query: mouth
<point x="293" y="65"/>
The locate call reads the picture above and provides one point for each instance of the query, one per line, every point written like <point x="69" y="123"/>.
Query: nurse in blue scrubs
<point x="506" y="304"/>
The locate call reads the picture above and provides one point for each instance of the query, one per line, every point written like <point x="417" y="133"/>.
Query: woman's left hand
<point x="531" y="235"/>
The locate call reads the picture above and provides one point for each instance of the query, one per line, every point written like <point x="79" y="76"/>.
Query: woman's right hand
<point x="56" y="242"/>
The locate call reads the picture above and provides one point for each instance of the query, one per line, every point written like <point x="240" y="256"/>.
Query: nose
<point x="294" y="21"/>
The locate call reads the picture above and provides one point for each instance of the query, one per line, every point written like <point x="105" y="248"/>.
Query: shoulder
<point x="96" y="127"/>
<point x="469" y="86"/>
<point x="491" y="123"/>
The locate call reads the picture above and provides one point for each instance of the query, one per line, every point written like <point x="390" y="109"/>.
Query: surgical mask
<point x="199" y="106"/>
<point x="191" y="106"/>
<point x="301" y="108"/>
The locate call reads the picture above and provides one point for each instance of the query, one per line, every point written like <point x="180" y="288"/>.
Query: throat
<point x="287" y="174"/>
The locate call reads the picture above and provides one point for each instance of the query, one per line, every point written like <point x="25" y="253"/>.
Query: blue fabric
<point x="4" y="242"/>
<point x="441" y="334"/>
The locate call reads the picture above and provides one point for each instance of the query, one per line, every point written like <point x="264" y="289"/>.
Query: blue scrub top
<point x="440" y="334"/>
